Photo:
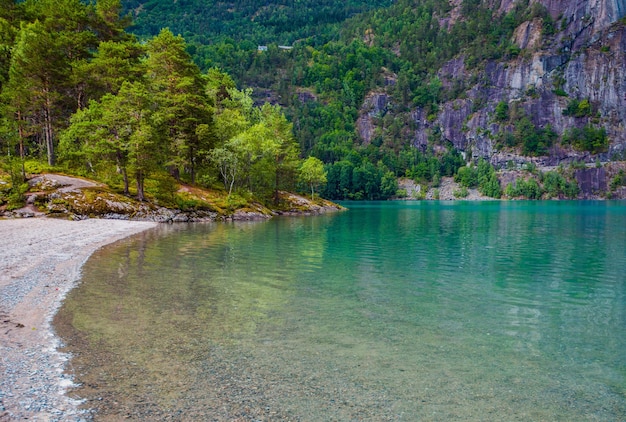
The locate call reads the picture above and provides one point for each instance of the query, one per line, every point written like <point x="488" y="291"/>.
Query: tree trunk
<point x="174" y="171"/>
<point x="276" y="179"/>
<point x="192" y="164"/>
<point x="139" y="176"/>
<point x="230" y="188"/>
<point x="124" y="173"/>
<point x="125" y="176"/>
<point x="20" y="132"/>
<point x="48" y="131"/>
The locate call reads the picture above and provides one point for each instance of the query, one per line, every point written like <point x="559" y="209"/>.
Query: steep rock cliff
<point x="582" y="58"/>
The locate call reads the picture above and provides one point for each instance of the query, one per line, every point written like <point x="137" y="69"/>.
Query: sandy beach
<point x="40" y="261"/>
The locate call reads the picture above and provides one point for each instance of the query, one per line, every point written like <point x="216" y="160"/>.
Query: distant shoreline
<point x="40" y="261"/>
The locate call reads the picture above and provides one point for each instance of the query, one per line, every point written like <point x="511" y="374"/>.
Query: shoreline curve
<point x="40" y="262"/>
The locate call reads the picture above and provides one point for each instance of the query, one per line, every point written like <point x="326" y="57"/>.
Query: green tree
<point x="313" y="174"/>
<point x="110" y="23"/>
<point x="502" y="111"/>
<point x="178" y="87"/>
<point x="467" y="176"/>
<point x="228" y="164"/>
<point x="388" y="185"/>
<point x="116" y="130"/>
<point x="281" y="147"/>
<point x="112" y="64"/>
<point x="39" y="71"/>
<point x="589" y="138"/>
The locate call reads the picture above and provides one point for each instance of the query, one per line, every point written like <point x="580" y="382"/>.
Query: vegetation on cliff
<point x="375" y="91"/>
<point x="404" y="84"/>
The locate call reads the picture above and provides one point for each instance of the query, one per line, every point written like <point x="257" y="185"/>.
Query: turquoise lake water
<point x="431" y="311"/>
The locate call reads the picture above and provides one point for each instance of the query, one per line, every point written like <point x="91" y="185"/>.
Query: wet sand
<point x="40" y="261"/>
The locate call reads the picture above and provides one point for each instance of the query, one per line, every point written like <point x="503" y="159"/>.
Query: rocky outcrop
<point x="581" y="56"/>
<point x="591" y="181"/>
<point x="78" y="199"/>
<point x="374" y="106"/>
<point x="586" y="59"/>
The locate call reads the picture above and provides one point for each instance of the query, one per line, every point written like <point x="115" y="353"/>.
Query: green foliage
<point x="388" y="185"/>
<point x="578" y="165"/>
<point x="145" y="109"/>
<point x="324" y="79"/>
<point x="165" y="189"/>
<point x="556" y="185"/>
<point x="618" y="180"/>
<point x="12" y="193"/>
<point x="491" y="187"/>
<point x="461" y="193"/>
<point x="502" y="111"/>
<point x="589" y="138"/>
<point x="43" y="77"/>
<point x="255" y="21"/>
<point x="312" y="174"/>
<point x="483" y="176"/>
<point x="467" y="177"/>
<point x="185" y="202"/>
<point x="530" y="167"/>
<point x="16" y="198"/>
<point x="578" y="108"/>
<point x="533" y="140"/>
<point x="488" y="183"/>
<point x="528" y="188"/>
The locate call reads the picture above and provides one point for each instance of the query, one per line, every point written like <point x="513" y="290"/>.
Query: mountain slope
<point x="582" y="62"/>
<point x="256" y="21"/>
<point x="405" y="88"/>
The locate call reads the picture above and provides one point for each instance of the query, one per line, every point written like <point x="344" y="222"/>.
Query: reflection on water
<point x="391" y="311"/>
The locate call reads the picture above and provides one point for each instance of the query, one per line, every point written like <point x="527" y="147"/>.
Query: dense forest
<point x="89" y="98"/>
<point x="259" y="97"/>
<point x="326" y="69"/>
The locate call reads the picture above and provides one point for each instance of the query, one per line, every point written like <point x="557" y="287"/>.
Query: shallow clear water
<point x="391" y="311"/>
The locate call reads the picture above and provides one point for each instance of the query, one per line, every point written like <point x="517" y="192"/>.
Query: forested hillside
<point x="79" y="92"/>
<point x="252" y="21"/>
<point x="514" y="98"/>
<point x="419" y="88"/>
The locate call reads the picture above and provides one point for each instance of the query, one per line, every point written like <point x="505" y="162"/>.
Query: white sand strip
<point x="40" y="261"/>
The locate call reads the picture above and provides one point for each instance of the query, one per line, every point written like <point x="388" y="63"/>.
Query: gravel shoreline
<point x="40" y="261"/>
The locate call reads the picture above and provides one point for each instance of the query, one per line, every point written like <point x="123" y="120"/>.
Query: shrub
<point x="530" y="189"/>
<point x="535" y="141"/>
<point x="16" y="198"/>
<point x="589" y="138"/>
<point x="618" y="180"/>
<point x="467" y="177"/>
<point x="502" y="111"/>
<point x="555" y="185"/>
<point x="491" y="187"/>
<point x="527" y="188"/>
<point x="510" y="191"/>
<point x="461" y="192"/>
<point x="578" y="108"/>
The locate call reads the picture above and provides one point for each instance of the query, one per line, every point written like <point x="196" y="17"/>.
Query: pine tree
<point x="184" y="115"/>
<point x="38" y="72"/>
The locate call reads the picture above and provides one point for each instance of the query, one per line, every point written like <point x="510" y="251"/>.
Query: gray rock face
<point x="585" y="59"/>
<point x="375" y="105"/>
<point x="591" y="181"/>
